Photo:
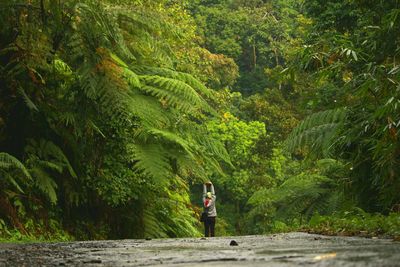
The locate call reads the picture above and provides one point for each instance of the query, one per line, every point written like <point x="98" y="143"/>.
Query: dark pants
<point x="209" y="226"/>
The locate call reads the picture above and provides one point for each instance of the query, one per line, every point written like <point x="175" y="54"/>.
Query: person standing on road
<point x="210" y="210"/>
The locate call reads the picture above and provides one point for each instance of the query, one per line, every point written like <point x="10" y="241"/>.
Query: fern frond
<point x="197" y="85"/>
<point x="49" y="165"/>
<point x="151" y="160"/>
<point x="57" y="153"/>
<point x="132" y="78"/>
<point x="303" y="194"/>
<point x="317" y="131"/>
<point x="214" y="147"/>
<point x="174" y="91"/>
<point x="181" y="226"/>
<point x="149" y="31"/>
<point x="50" y="156"/>
<point x="172" y="99"/>
<point x="128" y="74"/>
<point x="115" y="104"/>
<point x="10" y="178"/>
<point x="96" y="128"/>
<point x="62" y="67"/>
<point x="150" y="111"/>
<point x="90" y="83"/>
<point x="45" y="183"/>
<point x="8" y="161"/>
<point x="100" y="28"/>
<point x="189" y="167"/>
<point x="29" y="103"/>
<point x="77" y="47"/>
<point x="152" y="226"/>
<point x="146" y="21"/>
<point x="172" y="138"/>
<point x="108" y="91"/>
<point x="184" y="77"/>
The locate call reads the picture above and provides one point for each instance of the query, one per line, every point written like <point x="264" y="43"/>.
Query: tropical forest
<point x="115" y="113"/>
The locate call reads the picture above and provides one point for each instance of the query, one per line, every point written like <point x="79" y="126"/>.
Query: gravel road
<point x="292" y="249"/>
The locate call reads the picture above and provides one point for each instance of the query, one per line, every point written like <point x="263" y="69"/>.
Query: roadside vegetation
<point x="113" y="114"/>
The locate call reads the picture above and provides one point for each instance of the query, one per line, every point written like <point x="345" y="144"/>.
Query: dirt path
<point x="293" y="249"/>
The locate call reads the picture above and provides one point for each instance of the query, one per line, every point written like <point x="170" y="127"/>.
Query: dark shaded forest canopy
<point x="114" y="113"/>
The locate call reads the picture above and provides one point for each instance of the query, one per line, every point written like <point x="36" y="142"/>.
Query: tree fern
<point x="172" y="208"/>
<point x="146" y="34"/>
<point x="50" y="156"/>
<point x="149" y="111"/>
<point x="173" y="74"/>
<point x="8" y="163"/>
<point x="152" y="226"/>
<point x="98" y="29"/>
<point x="127" y="91"/>
<point x="46" y="161"/>
<point x="318" y="132"/>
<point x="213" y="147"/>
<point x="172" y="91"/>
<point x="152" y="160"/>
<point x="300" y="196"/>
<point x="45" y="183"/>
<point x="113" y="116"/>
<point x="173" y="139"/>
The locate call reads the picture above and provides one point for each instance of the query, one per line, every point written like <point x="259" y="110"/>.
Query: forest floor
<point x="291" y="249"/>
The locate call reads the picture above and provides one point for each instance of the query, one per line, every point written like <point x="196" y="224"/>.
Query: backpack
<point x="203" y="216"/>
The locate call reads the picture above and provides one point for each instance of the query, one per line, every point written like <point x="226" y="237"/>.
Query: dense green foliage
<point x="256" y="34"/>
<point x="113" y="113"/>
<point x="98" y="129"/>
<point x="336" y="67"/>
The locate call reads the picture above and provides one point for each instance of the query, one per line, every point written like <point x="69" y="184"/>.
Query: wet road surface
<point x="292" y="249"/>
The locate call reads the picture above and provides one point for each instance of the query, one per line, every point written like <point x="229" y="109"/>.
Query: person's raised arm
<point x="204" y="192"/>
<point x="213" y="191"/>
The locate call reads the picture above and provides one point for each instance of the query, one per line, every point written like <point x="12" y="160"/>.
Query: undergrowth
<point x="50" y="231"/>
<point x="355" y="222"/>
